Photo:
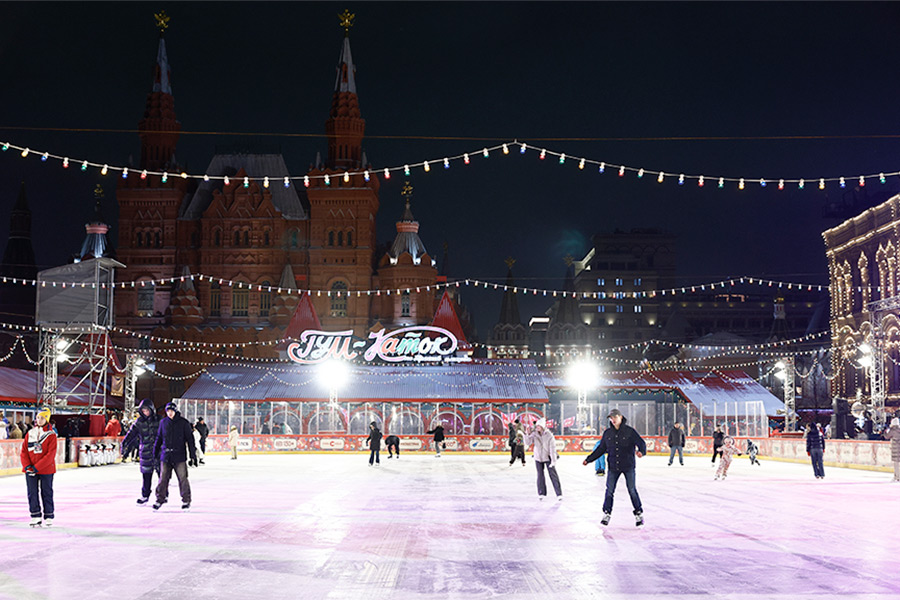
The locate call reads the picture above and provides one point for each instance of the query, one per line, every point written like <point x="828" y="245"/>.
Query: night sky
<point x="545" y="73"/>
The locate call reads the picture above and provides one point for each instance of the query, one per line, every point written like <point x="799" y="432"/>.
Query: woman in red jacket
<point x="39" y="465"/>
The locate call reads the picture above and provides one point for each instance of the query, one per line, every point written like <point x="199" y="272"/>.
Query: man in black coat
<point x="174" y="440"/>
<point x="392" y="443"/>
<point x="676" y="444"/>
<point x="374" y="442"/>
<point x="142" y="437"/>
<point x="718" y="441"/>
<point x="203" y="428"/>
<point x="621" y="443"/>
<point x="438" y="432"/>
<point x="512" y="441"/>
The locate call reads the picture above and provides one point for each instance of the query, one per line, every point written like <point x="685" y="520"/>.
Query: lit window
<point x="620" y="308"/>
<point x="215" y="300"/>
<point x="240" y="300"/>
<point x="265" y="298"/>
<point x="601" y="308"/>
<point x="618" y="281"/>
<point x="146" y="294"/>
<point x="638" y="308"/>
<point x="339" y="299"/>
<point x="404" y="304"/>
<point x="637" y="281"/>
<point x="601" y="281"/>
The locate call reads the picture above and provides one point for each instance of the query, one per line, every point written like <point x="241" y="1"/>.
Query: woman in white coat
<point x="545" y="455"/>
<point x="233" y="441"/>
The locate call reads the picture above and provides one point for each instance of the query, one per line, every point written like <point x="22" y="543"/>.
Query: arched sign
<point x="421" y="343"/>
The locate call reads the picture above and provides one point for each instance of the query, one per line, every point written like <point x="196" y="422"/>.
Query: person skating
<point x="438" y="432"/>
<point x="622" y="443"/>
<point x="892" y="434"/>
<point x="729" y="448"/>
<point x="676" y="444"/>
<point x="392" y="445"/>
<point x="520" y="445"/>
<point x="545" y="455"/>
<point x="203" y="428"/>
<point x="142" y="436"/>
<point x="815" y="449"/>
<point x="174" y="441"/>
<point x="511" y="435"/>
<point x="374" y="443"/>
<point x="752" y="452"/>
<point x="233" y="441"/>
<point x="113" y="428"/>
<point x="38" y="458"/>
<point x="718" y="439"/>
<point x="198" y="438"/>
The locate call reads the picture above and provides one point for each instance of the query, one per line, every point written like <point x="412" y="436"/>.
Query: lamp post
<point x="334" y="375"/>
<point x="134" y="368"/>
<point x="583" y="376"/>
<point x="784" y="370"/>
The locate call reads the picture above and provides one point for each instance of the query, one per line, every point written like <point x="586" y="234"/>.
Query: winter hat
<point x="234" y="426"/>
<point x="614" y="412"/>
<point x="541" y="423"/>
<point x="895" y="422"/>
<point x="44" y="412"/>
<point x="171" y="406"/>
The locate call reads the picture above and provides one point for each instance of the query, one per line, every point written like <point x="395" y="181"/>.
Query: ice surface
<point x="329" y="526"/>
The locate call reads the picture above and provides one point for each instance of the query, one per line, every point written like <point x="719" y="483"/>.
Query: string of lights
<point x="425" y="166"/>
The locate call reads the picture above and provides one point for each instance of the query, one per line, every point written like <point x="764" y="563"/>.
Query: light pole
<point x="784" y="370"/>
<point x="334" y="375"/>
<point x="583" y="376"/>
<point x="134" y="368"/>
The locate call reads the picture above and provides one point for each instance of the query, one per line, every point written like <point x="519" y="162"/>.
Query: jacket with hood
<point x="676" y="437"/>
<point x="438" y="433"/>
<point x="39" y="450"/>
<point x="620" y="445"/>
<point x="893" y="435"/>
<point x="814" y="439"/>
<point x="142" y="435"/>
<point x="718" y="439"/>
<point x="203" y="428"/>
<point x="544" y="446"/>
<point x="173" y="436"/>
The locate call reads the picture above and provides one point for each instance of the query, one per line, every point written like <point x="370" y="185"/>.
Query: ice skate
<point x="35" y="522"/>
<point x="559" y="498"/>
<point x="143" y="500"/>
<point x="605" y="519"/>
<point x="541" y="498"/>
<point x="47" y="523"/>
<point x="157" y="504"/>
<point x="186" y="506"/>
<point x="638" y="519"/>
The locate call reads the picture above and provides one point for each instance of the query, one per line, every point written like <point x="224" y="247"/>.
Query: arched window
<point x="240" y="300"/>
<point x="140" y="239"/>
<point x="266" y="239"/>
<point x="349" y="238"/>
<point x="246" y="237"/>
<point x="237" y="237"/>
<point x="215" y="299"/>
<point x="294" y="238"/>
<point x="265" y="297"/>
<point x="339" y="299"/>
<point x="217" y="237"/>
<point x="331" y="238"/>
<point x="404" y="304"/>
<point x="158" y="238"/>
<point x="146" y="294"/>
<point x="340" y="238"/>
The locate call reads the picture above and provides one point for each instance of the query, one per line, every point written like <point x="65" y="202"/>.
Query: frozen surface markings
<point x="316" y="526"/>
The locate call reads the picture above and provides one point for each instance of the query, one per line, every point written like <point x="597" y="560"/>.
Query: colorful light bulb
<point x="700" y="181"/>
<point x="426" y="166"/>
<point x="25" y="152"/>
<point x="66" y="163"/>
<point x="640" y="173"/>
<point x="621" y="170"/>
<point x="505" y="149"/>
<point x="466" y="158"/>
<point x="843" y="183"/>
<point x="84" y="166"/>
<point x="366" y="175"/>
<point x="406" y="170"/>
<point x="387" y="173"/>
<point x="346" y="177"/>
<point x="227" y="181"/>
<point x="660" y="177"/>
<point x="522" y="148"/>
<point x="821" y="184"/>
<point x="287" y="182"/>
<point x="306" y="181"/>
<point x="104" y="170"/>
<point x="125" y="173"/>
<point x="721" y="182"/>
<point x="762" y="183"/>
<point x="446" y="163"/>
<point x="862" y="181"/>
<point x="781" y="184"/>
<point x="602" y="167"/>
<point x="266" y="182"/>
<point x="741" y="184"/>
<point x="45" y="156"/>
<point x="484" y="152"/>
<point x="881" y="177"/>
<point x="581" y="164"/>
<point x="562" y="158"/>
<point x="165" y="177"/>
<point x="327" y="179"/>
<point x="801" y="184"/>
<point x="681" y="179"/>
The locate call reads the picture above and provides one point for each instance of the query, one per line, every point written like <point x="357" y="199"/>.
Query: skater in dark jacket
<point x="511" y="435"/>
<point x="203" y="428"/>
<point x="374" y="443"/>
<point x="815" y="449"/>
<point x="753" y="451"/>
<point x="438" y="432"/>
<point x="718" y="440"/>
<point x="392" y="444"/>
<point x="622" y="443"/>
<point x="174" y="440"/>
<point x="676" y="444"/>
<point x="142" y="436"/>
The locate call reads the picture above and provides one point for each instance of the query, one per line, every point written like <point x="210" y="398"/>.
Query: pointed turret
<point x="779" y="331"/>
<point x="445" y="317"/>
<point x="184" y="307"/>
<point x="304" y="318"/>
<point x="159" y="129"/>
<point x="567" y="312"/>
<point x="407" y="240"/>
<point x="18" y="257"/>
<point x="345" y="126"/>
<point x="286" y="301"/>
<point x="95" y="243"/>
<point x="509" y="308"/>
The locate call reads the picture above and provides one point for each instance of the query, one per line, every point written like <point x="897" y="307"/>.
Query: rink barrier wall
<point x="838" y="453"/>
<point x="10" y="456"/>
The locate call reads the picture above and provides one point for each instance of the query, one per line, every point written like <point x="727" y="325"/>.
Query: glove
<point x="584" y="463"/>
<point x="193" y="462"/>
<point x="31" y="471"/>
<point x="807" y="453"/>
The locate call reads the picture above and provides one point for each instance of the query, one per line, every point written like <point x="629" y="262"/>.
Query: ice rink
<point x="328" y="526"/>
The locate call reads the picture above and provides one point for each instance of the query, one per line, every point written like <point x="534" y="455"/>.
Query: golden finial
<point x="510" y="261"/>
<point x="407" y="191"/>
<point x="98" y="192"/>
<point x="568" y="259"/>
<point x="162" y="21"/>
<point x="346" y="19"/>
